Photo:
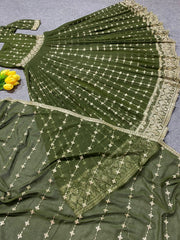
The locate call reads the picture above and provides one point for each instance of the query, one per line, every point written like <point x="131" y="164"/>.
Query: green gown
<point x="85" y="159"/>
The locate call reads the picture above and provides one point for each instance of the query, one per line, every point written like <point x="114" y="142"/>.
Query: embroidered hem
<point x="166" y="91"/>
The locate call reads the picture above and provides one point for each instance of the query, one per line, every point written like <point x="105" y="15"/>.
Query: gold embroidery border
<point x="33" y="52"/>
<point x="163" y="100"/>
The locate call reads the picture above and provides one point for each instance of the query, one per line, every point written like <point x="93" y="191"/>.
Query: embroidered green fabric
<point x="85" y="159"/>
<point x="82" y="152"/>
<point x="82" y="174"/>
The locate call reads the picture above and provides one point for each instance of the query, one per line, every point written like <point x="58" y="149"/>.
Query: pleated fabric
<point x="103" y="65"/>
<point x="108" y="65"/>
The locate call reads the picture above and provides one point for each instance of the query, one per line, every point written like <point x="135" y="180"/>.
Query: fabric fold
<point x="91" y="158"/>
<point x="109" y="173"/>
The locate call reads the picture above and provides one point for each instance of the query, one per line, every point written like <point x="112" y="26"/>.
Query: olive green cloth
<point x="66" y="176"/>
<point x="86" y="158"/>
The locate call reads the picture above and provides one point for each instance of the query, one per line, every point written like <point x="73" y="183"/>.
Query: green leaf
<point x="3" y="76"/>
<point x="1" y="86"/>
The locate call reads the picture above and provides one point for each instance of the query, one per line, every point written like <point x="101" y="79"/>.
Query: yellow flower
<point x="10" y="80"/>
<point x="5" y="71"/>
<point x="16" y="83"/>
<point x="8" y="86"/>
<point x="16" y="77"/>
<point x="11" y="73"/>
